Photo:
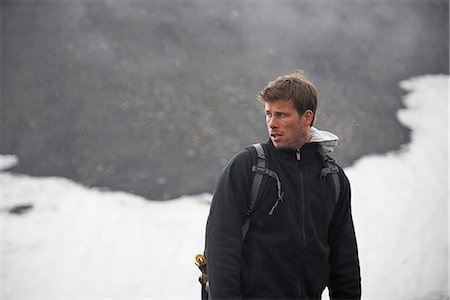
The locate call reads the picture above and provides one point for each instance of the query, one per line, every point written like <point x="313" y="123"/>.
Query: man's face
<point x="287" y="129"/>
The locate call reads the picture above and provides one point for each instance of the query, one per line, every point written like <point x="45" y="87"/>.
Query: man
<point x="300" y="240"/>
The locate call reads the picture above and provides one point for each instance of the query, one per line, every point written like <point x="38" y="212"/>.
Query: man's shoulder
<point x="341" y="172"/>
<point x="240" y="159"/>
<point x="247" y="157"/>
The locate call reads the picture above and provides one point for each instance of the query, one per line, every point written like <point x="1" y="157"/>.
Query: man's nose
<point x="272" y="122"/>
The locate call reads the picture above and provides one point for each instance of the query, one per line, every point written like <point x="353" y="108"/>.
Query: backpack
<point x="260" y="169"/>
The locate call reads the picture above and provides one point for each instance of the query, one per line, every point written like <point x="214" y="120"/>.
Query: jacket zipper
<point x="301" y="195"/>
<point x="302" y="215"/>
<point x="297" y="154"/>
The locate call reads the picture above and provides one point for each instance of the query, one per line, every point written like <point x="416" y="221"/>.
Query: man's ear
<point x="308" y="117"/>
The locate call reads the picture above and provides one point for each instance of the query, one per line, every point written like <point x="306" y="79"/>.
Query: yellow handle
<point x="200" y="260"/>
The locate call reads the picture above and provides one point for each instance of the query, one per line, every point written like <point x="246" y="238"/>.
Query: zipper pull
<point x="298" y="154"/>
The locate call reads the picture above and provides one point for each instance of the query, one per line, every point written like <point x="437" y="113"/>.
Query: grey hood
<point x="326" y="140"/>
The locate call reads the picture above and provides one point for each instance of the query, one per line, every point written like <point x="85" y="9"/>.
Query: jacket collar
<point x="307" y="152"/>
<point x="322" y="142"/>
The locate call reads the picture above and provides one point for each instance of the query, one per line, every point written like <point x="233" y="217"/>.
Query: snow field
<point x="82" y="243"/>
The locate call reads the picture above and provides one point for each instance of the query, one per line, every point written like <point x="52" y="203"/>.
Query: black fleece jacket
<point x="306" y="244"/>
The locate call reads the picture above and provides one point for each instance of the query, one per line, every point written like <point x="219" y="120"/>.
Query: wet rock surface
<point x="153" y="98"/>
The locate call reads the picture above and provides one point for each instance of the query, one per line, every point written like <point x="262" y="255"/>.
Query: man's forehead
<point x="279" y="105"/>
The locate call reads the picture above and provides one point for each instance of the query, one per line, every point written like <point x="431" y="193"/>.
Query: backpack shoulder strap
<point x="259" y="169"/>
<point x="333" y="169"/>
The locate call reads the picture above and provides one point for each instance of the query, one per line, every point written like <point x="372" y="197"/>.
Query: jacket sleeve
<point x="224" y="228"/>
<point x="345" y="279"/>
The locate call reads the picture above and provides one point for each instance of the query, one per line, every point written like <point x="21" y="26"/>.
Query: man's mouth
<point x="275" y="135"/>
